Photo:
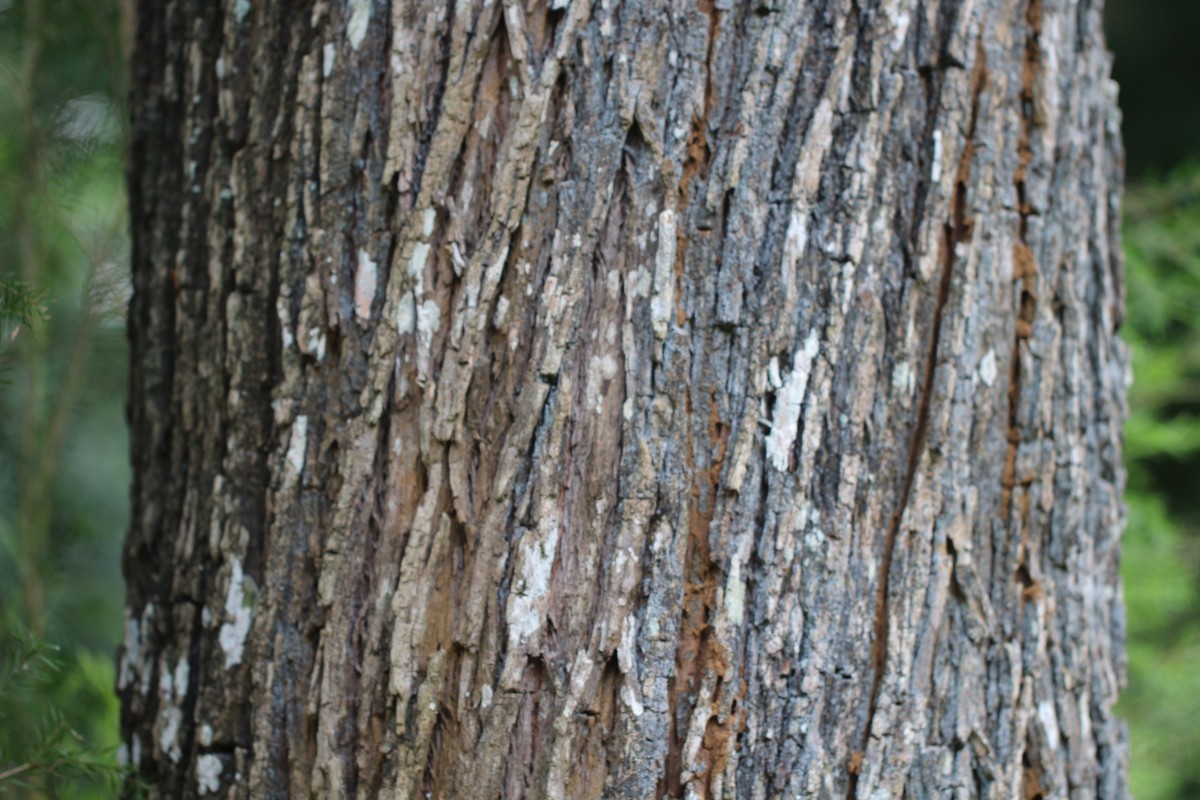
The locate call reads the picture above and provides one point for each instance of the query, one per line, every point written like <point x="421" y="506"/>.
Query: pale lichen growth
<point x="904" y="381"/>
<point x="987" y="368"/>
<point x="788" y="401"/>
<point x="240" y="9"/>
<point x="1049" y="720"/>
<point x="365" y="278"/>
<point x="133" y="650"/>
<point x="360" y="18"/>
<point x="429" y="318"/>
<point x="329" y="57"/>
<point x="239" y="612"/>
<point x="527" y="606"/>
<point x="900" y="20"/>
<point x="315" y="343"/>
<point x="600" y="369"/>
<point x="416" y="265"/>
<point x="501" y="311"/>
<point x="406" y="314"/>
<point x="297" y="445"/>
<point x="664" y="275"/>
<point x="168" y="739"/>
<point x="937" y="157"/>
<point x="208" y="773"/>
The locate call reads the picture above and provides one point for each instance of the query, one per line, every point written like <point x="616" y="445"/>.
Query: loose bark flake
<point x="582" y="398"/>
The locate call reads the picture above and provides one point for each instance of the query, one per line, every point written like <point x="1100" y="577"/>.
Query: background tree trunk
<point x="586" y="398"/>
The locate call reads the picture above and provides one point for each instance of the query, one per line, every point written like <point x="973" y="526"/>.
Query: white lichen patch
<point x="457" y="258"/>
<point x="297" y="445"/>
<point x="428" y="218"/>
<point x="937" y="157"/>
<point x="360" y="18"/>
<point x="988" y="371"/>
<point x="206" y="735"/>
<point x="240" y="9"/>
<point x="329" y="57"/>
<point x="285" y="322"/>
<point x="600" y="369"/>
<point x="664" y="275"/>
<point x="232" y="636"/>
<point x="168" y="738"/>
<point x="501" y="312"/>
<point x="429" y="317"/>
<point x="631" y="696"/>
<point x="900" y="20"/>
<point x="773" y="376"/>
<point x="788" y="402"/>
<point x="208" y="773"/>
<point x="131" y="659"/>
<point x="416" y="265"/>
<point x="904" y="381"/>
<point x="987" y="368"/>
<point x="314" y="343"/>
<point x="183" y="673"/>
<point x="1049" y="720"/>
<point x="365" y="278"/>
<point x="406" y="314"/>
<point x="735" y="594"/>
<point x="527" y="604"/>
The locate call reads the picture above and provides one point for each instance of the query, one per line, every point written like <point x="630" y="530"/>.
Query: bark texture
<point x="625" y="399"/>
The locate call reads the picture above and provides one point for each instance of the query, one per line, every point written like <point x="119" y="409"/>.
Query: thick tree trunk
<point x="586" y="398"/>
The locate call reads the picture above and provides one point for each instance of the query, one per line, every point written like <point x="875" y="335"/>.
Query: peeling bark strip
<point x="571" y="399"/>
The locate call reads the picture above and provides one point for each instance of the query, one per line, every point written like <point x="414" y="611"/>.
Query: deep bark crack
<point x="957" y="231"/>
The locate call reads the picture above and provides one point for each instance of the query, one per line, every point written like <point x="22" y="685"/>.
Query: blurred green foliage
<point x="52" y="758"/>
<point x="63" y="443"/>
<point x="1161" y="563"/>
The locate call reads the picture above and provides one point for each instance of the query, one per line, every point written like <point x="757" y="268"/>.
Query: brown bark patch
<point x="698" y="650"/>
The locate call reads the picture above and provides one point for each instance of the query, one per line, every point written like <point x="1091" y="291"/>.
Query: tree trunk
<point x="644" y="399"/>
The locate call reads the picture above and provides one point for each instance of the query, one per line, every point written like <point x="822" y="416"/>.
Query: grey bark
<point x="640" y="399"/>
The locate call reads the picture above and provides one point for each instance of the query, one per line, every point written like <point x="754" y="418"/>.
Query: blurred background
<point x="64" y="476"/>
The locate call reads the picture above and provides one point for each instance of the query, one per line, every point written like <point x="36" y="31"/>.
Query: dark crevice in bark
<point x="698" y="158"/>
<point x="1025" y="271"/>
<point x="955" y="232"/>
<point x="1031" y="774"/>
<point x="360" y="609"/>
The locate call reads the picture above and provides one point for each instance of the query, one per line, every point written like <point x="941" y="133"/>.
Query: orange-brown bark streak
<point x="698" y="651"/>
<point x="1025" y="270"/>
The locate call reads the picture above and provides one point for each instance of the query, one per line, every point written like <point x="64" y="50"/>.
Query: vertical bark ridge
<point x="957" y="232"/>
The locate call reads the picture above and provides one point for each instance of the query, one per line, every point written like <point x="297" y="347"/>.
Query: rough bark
<point x="643" y="399"/>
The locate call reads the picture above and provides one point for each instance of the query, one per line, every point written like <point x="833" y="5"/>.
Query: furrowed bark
<point x="572" y="399"/>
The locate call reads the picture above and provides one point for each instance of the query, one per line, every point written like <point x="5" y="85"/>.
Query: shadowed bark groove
<point x="571" y="399"/>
